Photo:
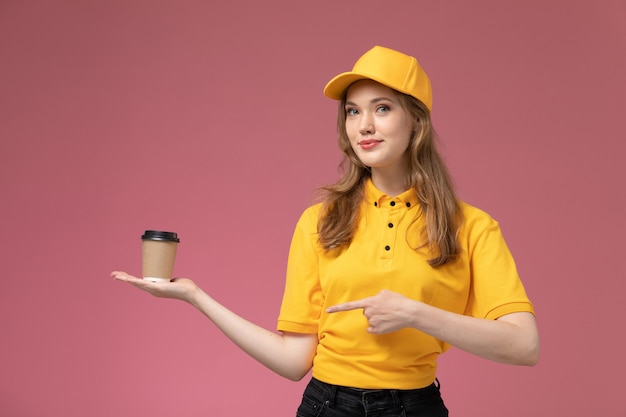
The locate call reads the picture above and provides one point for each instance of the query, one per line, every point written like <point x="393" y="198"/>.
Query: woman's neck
<point x="392" y="184"/>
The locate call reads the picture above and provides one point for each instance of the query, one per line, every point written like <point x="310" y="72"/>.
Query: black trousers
<point x="325" y="400"/>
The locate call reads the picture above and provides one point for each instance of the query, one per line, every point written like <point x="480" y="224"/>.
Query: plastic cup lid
<point x="160" y="235"/>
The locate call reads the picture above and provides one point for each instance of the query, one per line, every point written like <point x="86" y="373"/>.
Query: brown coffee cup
<point x="158" y="255"/>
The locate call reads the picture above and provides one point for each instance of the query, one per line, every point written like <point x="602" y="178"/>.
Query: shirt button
<point x="393" y="203"/>
<point x="390" y="225"/>
<point x="387" y="247"/>
<point x="375" y="204"/>
<point x="408" y="204"/>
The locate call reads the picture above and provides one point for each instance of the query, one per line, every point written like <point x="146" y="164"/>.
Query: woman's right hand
<point x="179" y="288"/>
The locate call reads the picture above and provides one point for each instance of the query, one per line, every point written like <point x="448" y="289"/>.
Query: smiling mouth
<point x="368" y="143"/>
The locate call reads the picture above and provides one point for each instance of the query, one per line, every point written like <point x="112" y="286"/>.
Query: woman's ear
<point x="416" y="126"/>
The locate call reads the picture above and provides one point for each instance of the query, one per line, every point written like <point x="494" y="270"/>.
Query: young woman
<point x="388" y="271"/>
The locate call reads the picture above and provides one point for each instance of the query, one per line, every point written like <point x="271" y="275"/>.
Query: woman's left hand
<point x="385" y="312"/>
<point x="512" y="338"/>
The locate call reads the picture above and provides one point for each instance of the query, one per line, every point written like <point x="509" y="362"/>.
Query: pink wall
<point x="118" y="116"/>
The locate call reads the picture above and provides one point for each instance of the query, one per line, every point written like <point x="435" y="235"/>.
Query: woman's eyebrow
<point x="372" y="101"/>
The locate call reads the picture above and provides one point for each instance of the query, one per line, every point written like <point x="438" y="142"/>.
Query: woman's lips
<point x="369" y="143"/>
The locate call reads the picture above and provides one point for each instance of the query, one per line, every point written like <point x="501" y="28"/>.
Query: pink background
<point x="207" y="118"/>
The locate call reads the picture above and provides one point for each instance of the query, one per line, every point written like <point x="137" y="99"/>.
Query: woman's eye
<point x="383" y="109"/>
<point x="351" y="112"/>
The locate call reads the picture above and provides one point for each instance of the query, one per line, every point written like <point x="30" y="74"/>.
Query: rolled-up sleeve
<point x="303" y="299"/>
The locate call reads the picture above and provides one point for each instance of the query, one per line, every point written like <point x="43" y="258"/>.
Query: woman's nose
<point x="367" y="125"/>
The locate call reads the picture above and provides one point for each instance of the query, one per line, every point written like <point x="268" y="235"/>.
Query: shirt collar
<point x="377" y="198"/>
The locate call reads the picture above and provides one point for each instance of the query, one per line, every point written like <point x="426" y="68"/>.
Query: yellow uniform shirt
<point x="483" y="282"/>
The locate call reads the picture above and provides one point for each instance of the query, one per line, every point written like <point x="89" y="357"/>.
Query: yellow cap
<point x="388" y="67"/>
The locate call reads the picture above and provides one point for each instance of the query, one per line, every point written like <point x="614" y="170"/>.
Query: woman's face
<point x="378" y="127"/>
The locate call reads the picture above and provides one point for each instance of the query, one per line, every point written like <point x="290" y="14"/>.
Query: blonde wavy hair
<point x="427" y="174"/>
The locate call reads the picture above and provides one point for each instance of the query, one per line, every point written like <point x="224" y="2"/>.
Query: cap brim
<point x="337" y="86"/>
